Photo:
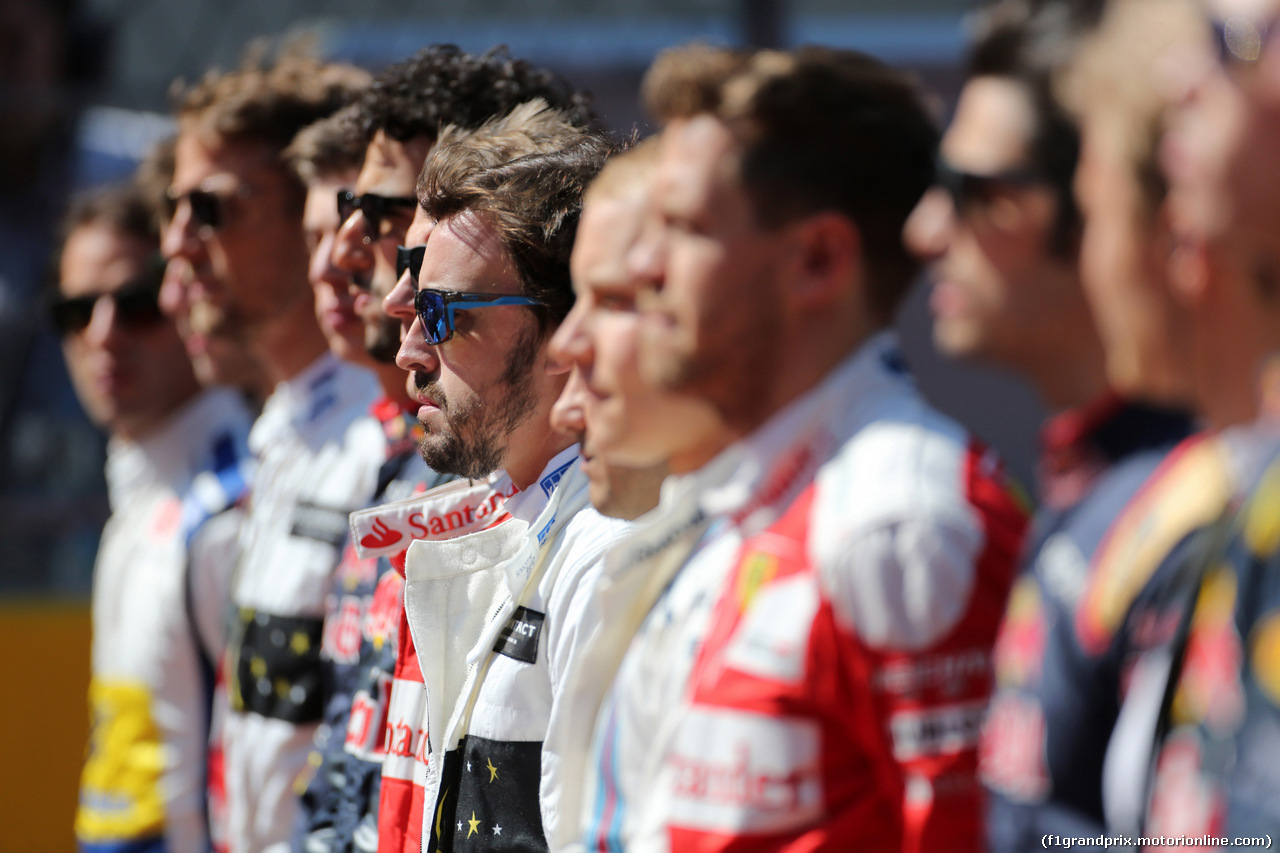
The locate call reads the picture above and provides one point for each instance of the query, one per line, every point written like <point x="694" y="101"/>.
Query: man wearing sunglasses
<point x="237" y="215"/>
<point x="1195" y="750"/>
<point x="342" y="779"/>
<point x="399" y="117"/>
<point x="154" y="622"/>
<point x="478" y="305"/>
<point x="1002" y="235"/>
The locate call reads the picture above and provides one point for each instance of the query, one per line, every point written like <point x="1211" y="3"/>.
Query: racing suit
<point x="339" y="805"/>
<point x="1058" y="696"/>
<point x="143" y="785"/>
<point x="1197" y="755"/>
<point x="815" y="669"/>
<point x="497" y="617"/>
<point x="319" y="453"/>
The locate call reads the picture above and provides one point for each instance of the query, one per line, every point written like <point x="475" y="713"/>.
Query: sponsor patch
<point x="324" y="523"/>
<point x="767" y="646"/>
<point x="519" y="637"/>
<point x="735" y="771"/>
<point x="944" y="730"/>
<point x="444" y="513"/>
<point x="549" y="482"/>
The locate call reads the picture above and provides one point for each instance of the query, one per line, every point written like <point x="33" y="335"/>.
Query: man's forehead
<point x="98" y="259"/>
<point x="466" y="253"/>
<point x="419" y="229"/>
<point x="992" y="126"/>
<point x="390" y="166"/>
<point x="608" y="229"/>
<point x="699" y="155"/>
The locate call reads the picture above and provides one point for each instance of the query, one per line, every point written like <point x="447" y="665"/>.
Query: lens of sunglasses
<point x="434" y="315"/>
<point x="346" y="204"/>
<point x="206" y="208"/>
<point x="409" y="258"/>
<point x="137" y="307"/>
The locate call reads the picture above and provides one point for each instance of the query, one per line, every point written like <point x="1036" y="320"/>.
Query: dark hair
<point x="441" y="85"/>
<point x="820" y="129"/>
<point x="1029" y="41"/>
<point x="525" y="175"/>
<point x="330" y="146"/>
<point x="124" y="208"/>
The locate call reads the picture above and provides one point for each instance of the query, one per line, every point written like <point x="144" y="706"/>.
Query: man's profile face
<point x="482" y="385"/>
<point x="615" y="490"/>
<point x="129" y="371"/>
<point x="997" y="285"/>
<point x="335" y="306"/>
<point x="250" y="267"/>
<point x="627" y="420"/>
<point x="390" y="170"/>
<point x="711" y="286"/>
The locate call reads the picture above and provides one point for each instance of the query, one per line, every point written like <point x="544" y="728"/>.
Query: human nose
<point x="399" y="302"/>
<point x="927" y="231"/>
<point x="181" y="238"/>
<point x="103" y="330"/>
<point x="571" y="344"/>
<point x="350" y="251"/>
<point x="568" y="415"/>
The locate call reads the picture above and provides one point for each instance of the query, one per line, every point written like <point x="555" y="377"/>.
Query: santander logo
<point x="382" y="536"/>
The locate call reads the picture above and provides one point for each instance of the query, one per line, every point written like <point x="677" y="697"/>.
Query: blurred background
<point x="84" y="93"/>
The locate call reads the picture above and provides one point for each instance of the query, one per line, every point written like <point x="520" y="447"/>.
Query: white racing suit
<point x="816" y="661"/>
<point x="143" y="786"/>
<point x="497" y="616"/>
<point x="319" y="450"/>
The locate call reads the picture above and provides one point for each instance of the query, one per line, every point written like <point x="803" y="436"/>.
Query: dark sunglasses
<point x="436" y="309"/>
<point x="208" y="208"/>
<point x="374" y="207"/>
<point x="969" y="190"/>
<point x="410" y="258"/>
<point x="137" y="304"/>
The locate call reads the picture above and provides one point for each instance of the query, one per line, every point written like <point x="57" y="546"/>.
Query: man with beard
<point x="830" y="583"/>
<point x="397" y="120"/>
<point x="1195" y="750"/>
<point x="155" y="622"/>
<point x="1002" y="233"/>
<point x="478" y="305"/>
<point x="237" y="212"/>
<point x="399" y="117"/>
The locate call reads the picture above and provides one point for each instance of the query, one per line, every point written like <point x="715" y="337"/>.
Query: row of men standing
<point x="793" y="649"/>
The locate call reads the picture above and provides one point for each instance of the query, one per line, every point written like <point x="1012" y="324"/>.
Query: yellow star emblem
<point x="473" y="825"/>
<point x="258" y="667"/>
<point x="493" y="771"/>
<point x="300" y="643"/>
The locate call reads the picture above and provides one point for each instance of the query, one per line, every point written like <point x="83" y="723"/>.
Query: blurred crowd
<point x="481" y="480"/>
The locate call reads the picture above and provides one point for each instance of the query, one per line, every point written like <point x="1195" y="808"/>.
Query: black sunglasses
<point x="208" y="208"/>
<point x="410" y="258"/>
<point x="137" y="304"/>
<point x="969" y="189"/>
<point x="374" y="207"/>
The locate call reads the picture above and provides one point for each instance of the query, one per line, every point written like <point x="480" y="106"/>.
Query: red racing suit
<point x="857" y="559"/>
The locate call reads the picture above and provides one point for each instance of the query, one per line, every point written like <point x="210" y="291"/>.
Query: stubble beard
<point x="475" y="438"/>
<point x="382" y="339"/>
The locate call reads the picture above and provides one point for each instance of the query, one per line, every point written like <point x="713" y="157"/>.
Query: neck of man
<point x="289" y="343"/>
<point x="1231" y="343"/>
<point x="806" y="354"/>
